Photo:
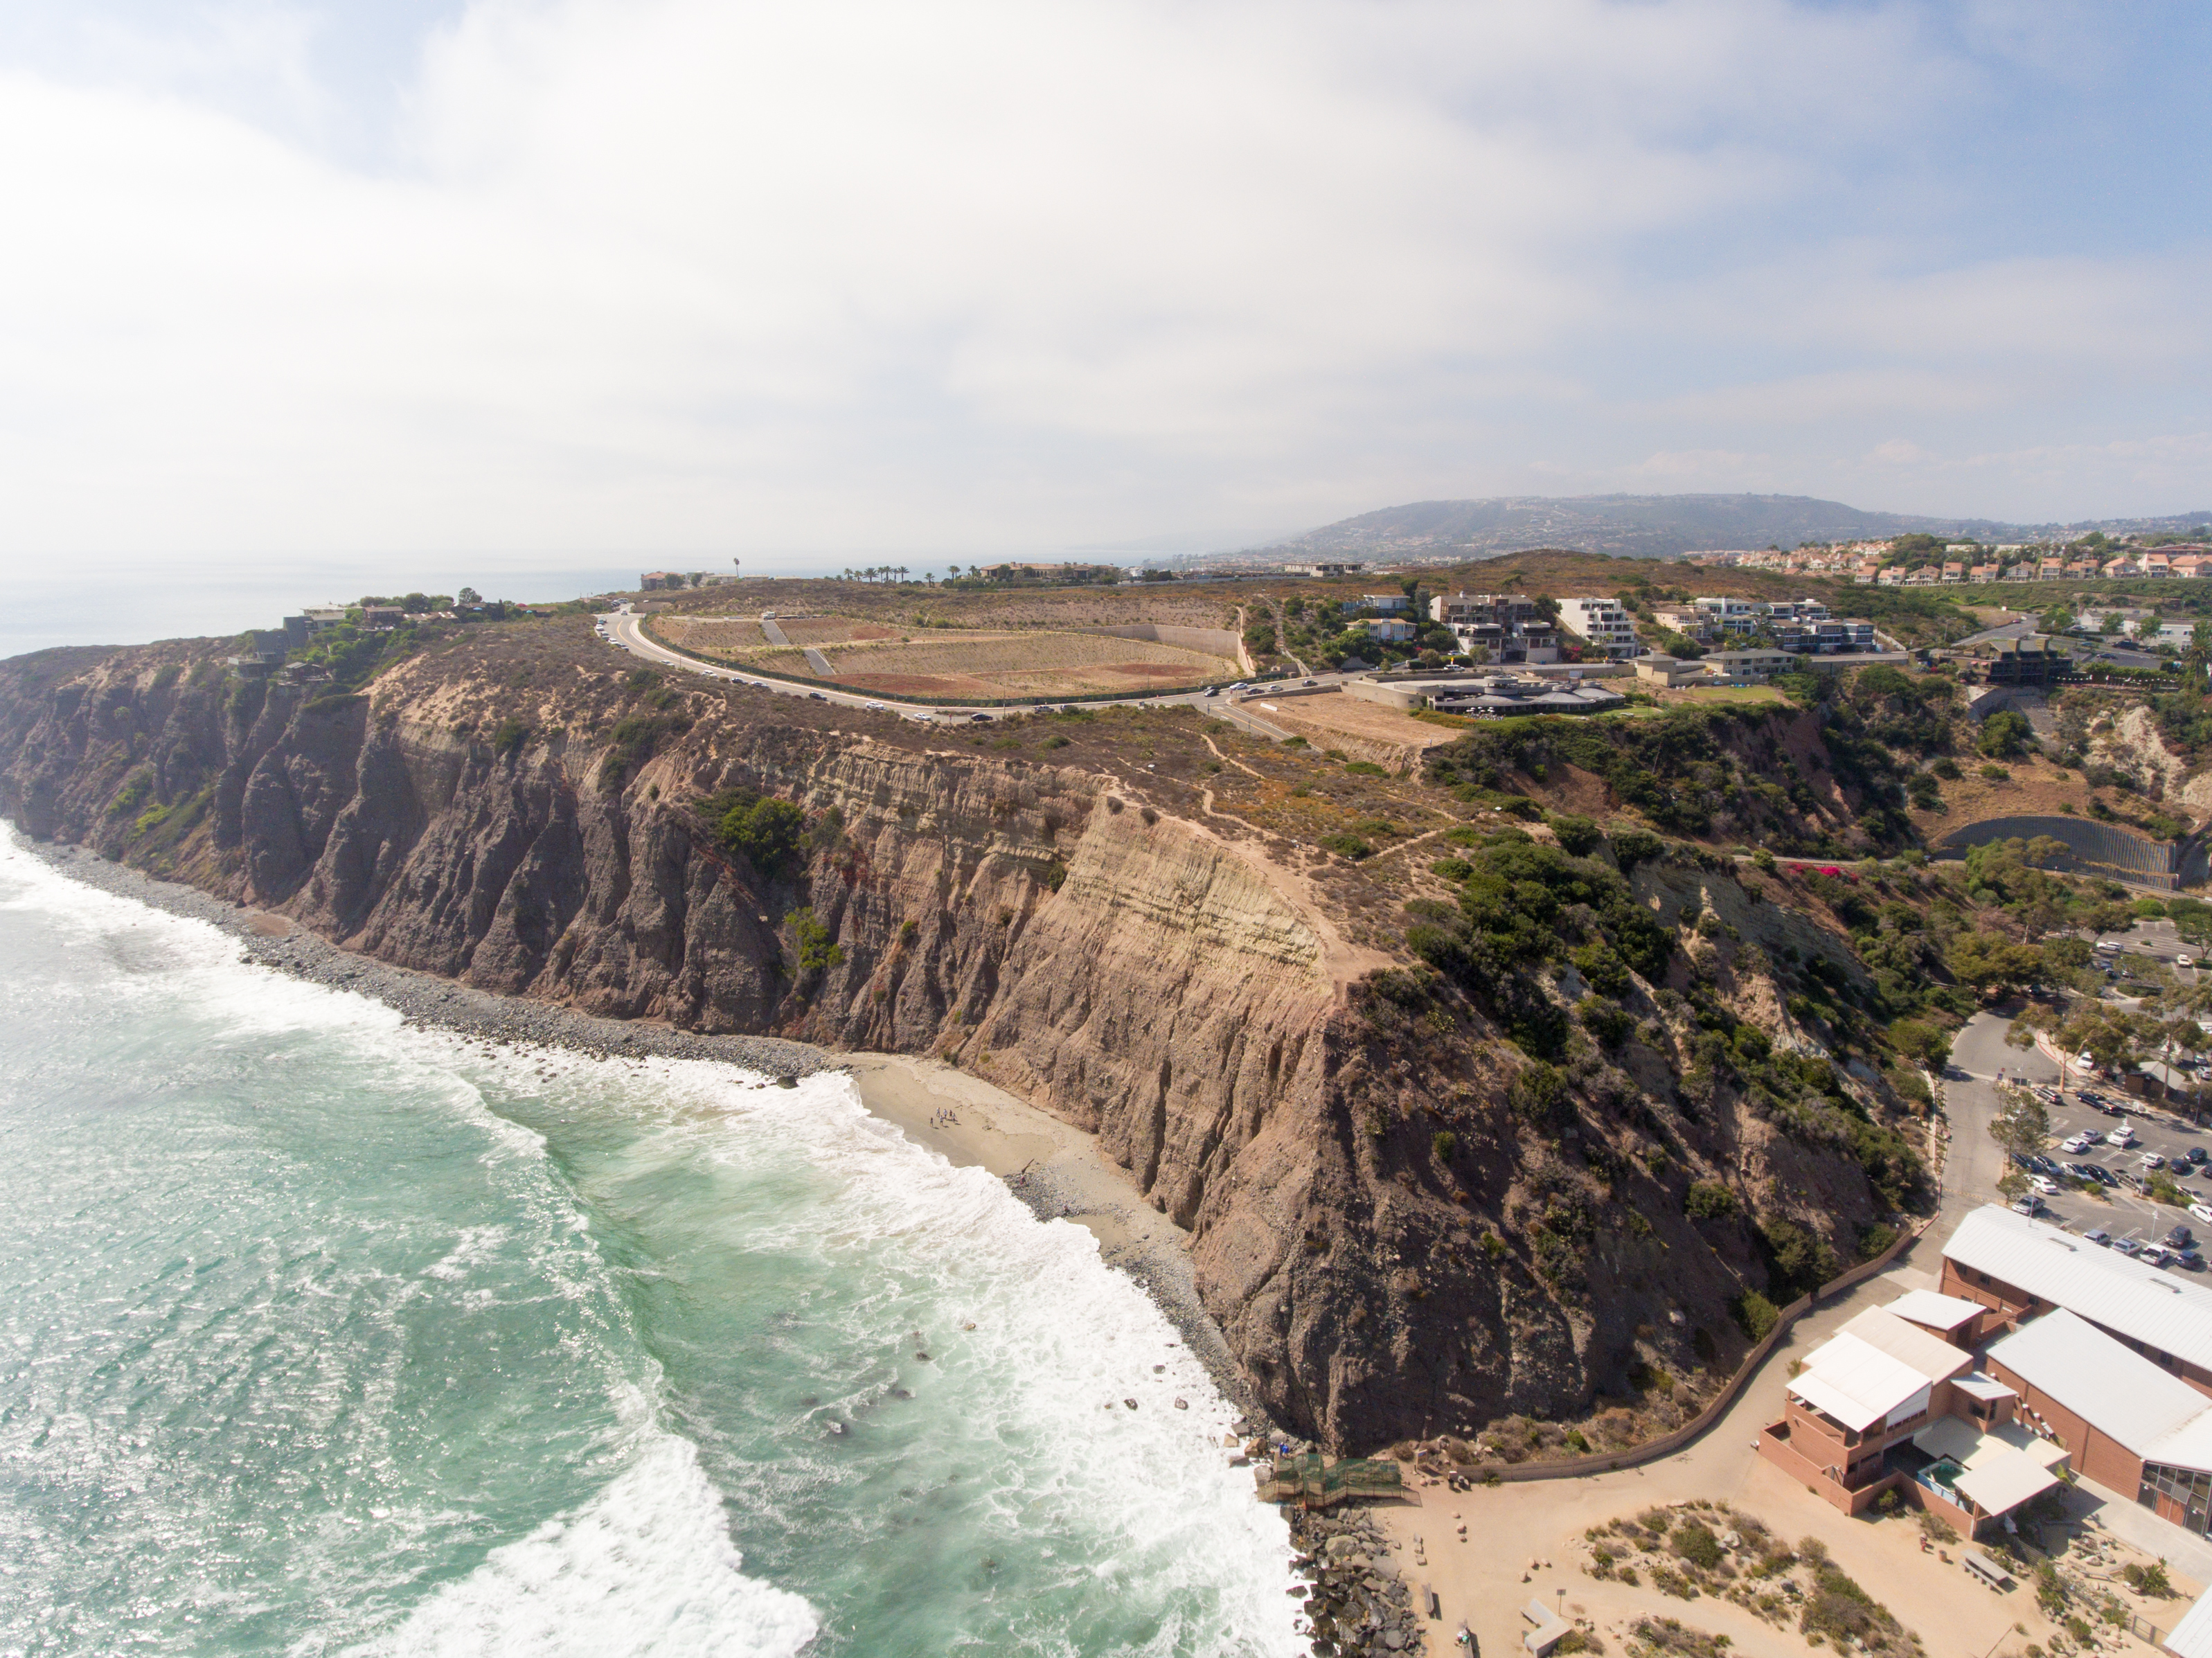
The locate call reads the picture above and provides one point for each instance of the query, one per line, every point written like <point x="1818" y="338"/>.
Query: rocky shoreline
<point x="1355" y="1602"/>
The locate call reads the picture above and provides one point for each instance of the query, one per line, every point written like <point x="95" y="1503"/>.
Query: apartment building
<point x="1506" y="628"/>
<point x="1602" y="622"/>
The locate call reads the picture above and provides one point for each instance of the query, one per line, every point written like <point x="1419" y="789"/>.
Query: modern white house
<point x="1604" y="623"/>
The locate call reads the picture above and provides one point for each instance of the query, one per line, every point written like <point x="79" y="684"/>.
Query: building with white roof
<point x="1955" y="1320"/>
<point x="2018" y="1268"/>
<point x="2128" y="1424"/>
<point x="2192" y="1635"/>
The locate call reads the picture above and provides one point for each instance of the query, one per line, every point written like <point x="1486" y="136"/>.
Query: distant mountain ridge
<point x="1651" y="527"/>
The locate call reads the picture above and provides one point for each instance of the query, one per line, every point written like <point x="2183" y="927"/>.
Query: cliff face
<point x="1090" y="939"/>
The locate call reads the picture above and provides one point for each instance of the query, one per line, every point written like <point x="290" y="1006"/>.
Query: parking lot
<point x="2100" y="1186"/>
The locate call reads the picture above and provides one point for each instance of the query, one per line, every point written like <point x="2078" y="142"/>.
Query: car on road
<point x="2097" y="1234"/>
<point x="873" y="707"/>
<point x="1310" y="682"/>
<point x="816" y="696"/>
<point x="1213" y="690"/>
<point x="980" y="719"/>
<point x="2110" y="946"/>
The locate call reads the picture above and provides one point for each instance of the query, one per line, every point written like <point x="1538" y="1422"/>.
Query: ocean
<point x="323" y="1334"/>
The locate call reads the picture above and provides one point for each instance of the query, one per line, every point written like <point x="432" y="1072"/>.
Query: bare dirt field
<point x="836" y="629"/>
<point x="962" y="663"/>
<point x="714" y="634"/>
<point x="1334" y="721"/>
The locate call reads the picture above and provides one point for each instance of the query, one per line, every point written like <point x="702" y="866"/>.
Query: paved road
<point x="1973" y="1161"/>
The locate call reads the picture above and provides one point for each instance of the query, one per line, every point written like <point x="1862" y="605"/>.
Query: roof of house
<point x="2000" y="1482"/>
<point x="1931" y="1311"/>
<point x="2136" y="1300"/>
<point x="1855" y="1381"/>
<point x="1930" y="1357"/>
<point x="2114" y="1389"/>
<point x="2192" y="1635"/>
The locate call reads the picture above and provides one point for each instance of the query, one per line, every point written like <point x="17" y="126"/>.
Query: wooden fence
<point x="1667" y="1444"/>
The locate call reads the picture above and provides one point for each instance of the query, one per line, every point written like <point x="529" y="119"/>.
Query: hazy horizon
<point x="494" y="286"/>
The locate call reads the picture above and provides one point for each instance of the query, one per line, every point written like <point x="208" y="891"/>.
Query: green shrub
<point x="1708" y="1199"/>
<point x="1347" y="845"/>
<point x="509" y="736"/>
<point x="1446" y="1145"/>
<point x="1365" y="769"/>
<point x="1697" y="1545"/>
<point x="133" y="795"/>
<point x="766" y="830"/>
<point x="1755" y="1315"/>
<point x="1451" y="869"/>
<point x="1579" y="836"/>
<point x="1539" y="1096"/>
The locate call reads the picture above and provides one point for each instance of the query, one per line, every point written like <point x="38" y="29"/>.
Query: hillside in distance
<point x="1647" y="526"/>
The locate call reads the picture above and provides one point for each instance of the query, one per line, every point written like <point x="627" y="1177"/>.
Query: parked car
<point x="2028" y="1204"/>
<point x="2191" y="1259"/>
<point x="2079" y="1143"/>
<point x="2123" y="1136"/>
<point x="2197" y="1154"/>
<point x="2152" y="1255"/>
<point x="2099" y="1235"/>
<point x="2178" y="1237"/>
<point x="2151" y="1160"/>
<point x="2044" y="1165"/>
<point x="2182" y="961"/>
<point x="2044" y="1184"/>
<point x="2128" y="1246"/>
<point x="2110" y="946"/>
<point x="2101" y="1174"/>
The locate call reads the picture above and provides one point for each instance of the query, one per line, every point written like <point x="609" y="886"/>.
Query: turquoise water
<point x="321" y="1335"/>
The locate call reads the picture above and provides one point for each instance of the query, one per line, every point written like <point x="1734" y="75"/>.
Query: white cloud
<point x="688" y="276"/>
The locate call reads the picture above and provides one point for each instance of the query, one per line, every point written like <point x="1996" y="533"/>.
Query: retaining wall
<point x="2093" y="847"/>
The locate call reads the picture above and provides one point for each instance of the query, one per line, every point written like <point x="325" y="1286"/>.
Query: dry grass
<point x="1322" y="720"/>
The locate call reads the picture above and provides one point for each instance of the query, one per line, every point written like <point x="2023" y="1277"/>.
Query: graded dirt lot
<point x="962" y="663"/>
<point x="1362" y="729"/>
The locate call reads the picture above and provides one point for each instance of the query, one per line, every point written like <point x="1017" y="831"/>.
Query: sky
<point x="297" y="292"/>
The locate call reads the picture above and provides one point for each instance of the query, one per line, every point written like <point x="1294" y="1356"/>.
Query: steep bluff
<point x="1392" y="1246"/>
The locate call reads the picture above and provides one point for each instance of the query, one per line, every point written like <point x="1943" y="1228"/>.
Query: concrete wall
<point x="2097" y="848"/>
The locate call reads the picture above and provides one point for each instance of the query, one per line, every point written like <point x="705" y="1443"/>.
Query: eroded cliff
<point x="1395" y="1241"/>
